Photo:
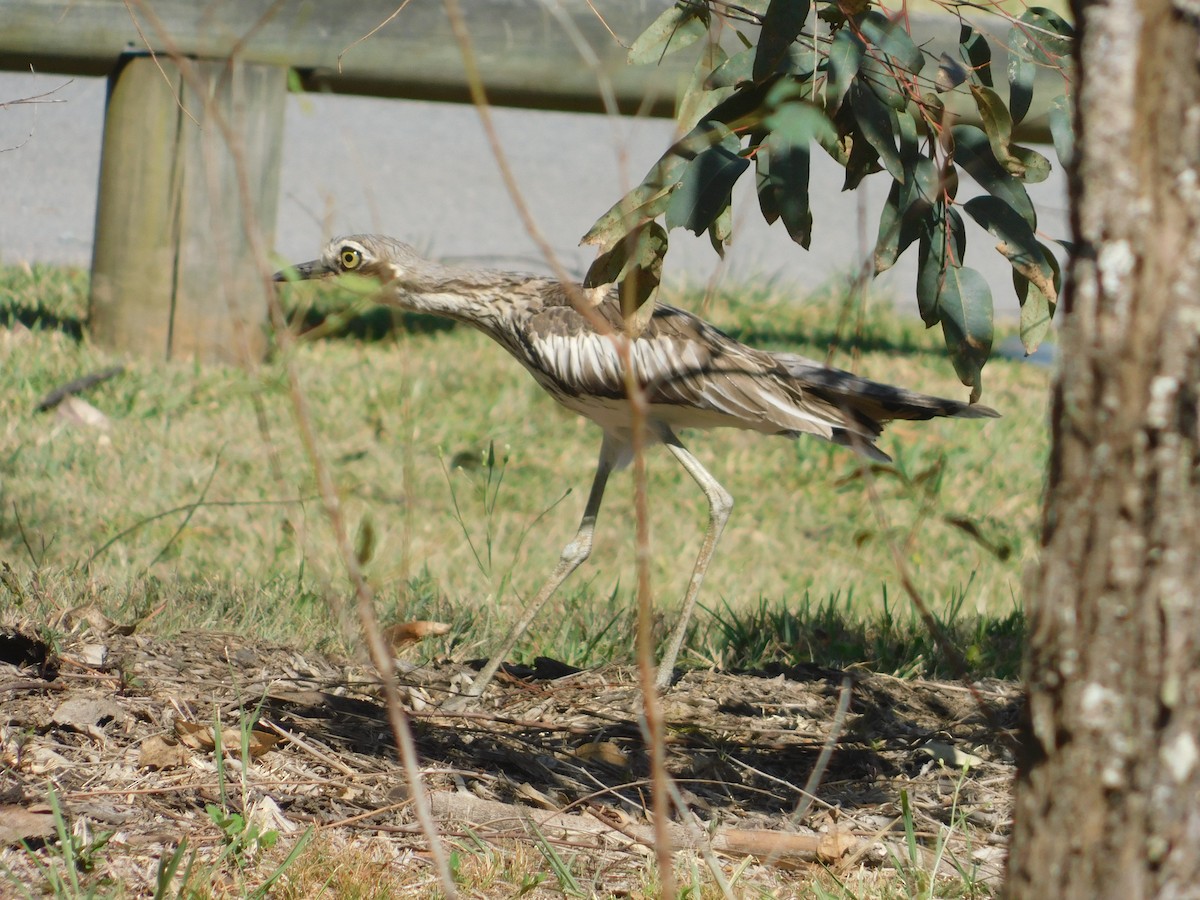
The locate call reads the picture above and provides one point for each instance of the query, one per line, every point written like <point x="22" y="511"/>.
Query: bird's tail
<point x="878" y="401"/>
<point x="866" y="406"/>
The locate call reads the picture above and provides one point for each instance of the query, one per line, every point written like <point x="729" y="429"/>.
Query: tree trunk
<point x="1108" y="789"/>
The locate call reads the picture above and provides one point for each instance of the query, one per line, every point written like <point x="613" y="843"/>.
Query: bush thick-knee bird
<point x="691" y="375"/>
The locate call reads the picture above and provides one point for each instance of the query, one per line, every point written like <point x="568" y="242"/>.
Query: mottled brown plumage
<point x="693" y="376"/>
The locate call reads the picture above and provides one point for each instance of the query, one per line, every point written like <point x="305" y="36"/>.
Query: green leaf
<point x="800" y="122"/>
<point x="1021" y="162"/>
<point x="845" y="58"/>
<point x="1017" y="242"/>
<point x="650" y="198"/>
<point x="1021" y="75"/>
<point x="877" y="76"/>
<point x="642" y="204"/>
<point x="734" y="71"/>
<point x="780" y="27"/>
<point x="747" y="107"/>
<point x="950" y="73"/>
<point x="1037" y="310"/>
<point x="634" y="263"/>
<point x="897" y="229"/>
<point x="942" y="246"/>
<point x="894" y="40"/>
<point x="1062" y="128"/>
<point x="791" y="130"/>
<point x="876" y="123"/>
<point x="1042" y="36"/>
<point x="965" y="307"/>
<point x="764" y="184"/>
<point x="678" y="27"/>
<point x="721" y="230"/>
<point x="972" y="151"/>
<point x="698" y="100"/>
<point x="705" y="186"/>
<point x="976" y="53"/>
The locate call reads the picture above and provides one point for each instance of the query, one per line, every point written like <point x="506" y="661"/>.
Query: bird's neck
<point x="478" y="297"/>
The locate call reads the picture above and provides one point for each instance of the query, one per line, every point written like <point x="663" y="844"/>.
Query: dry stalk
<point x="380" y="656"/>
<point x="655" y="738"/>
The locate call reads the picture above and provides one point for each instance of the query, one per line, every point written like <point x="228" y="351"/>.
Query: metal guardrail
<point x="528" y="51"/>
<point x="171" y="199"/>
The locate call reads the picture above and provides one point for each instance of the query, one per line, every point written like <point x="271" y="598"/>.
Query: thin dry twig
<point x="399" y="9"/>
<point x="379" y="653"/>
<point x="637" y="400"/>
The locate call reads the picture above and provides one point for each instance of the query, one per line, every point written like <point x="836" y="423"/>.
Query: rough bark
<point x="1108" y="791"/>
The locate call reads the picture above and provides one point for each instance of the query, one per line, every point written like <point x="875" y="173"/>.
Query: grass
<point x="196" y="509"/>
<point x="463" y="481"/>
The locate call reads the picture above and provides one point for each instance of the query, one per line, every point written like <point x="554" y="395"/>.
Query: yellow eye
<point x="350" y="258"/>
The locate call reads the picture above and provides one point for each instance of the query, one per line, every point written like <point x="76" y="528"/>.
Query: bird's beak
<point x="303" y="271"/>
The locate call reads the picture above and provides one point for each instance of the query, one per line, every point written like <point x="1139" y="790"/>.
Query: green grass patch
<point x="462" y="481"/>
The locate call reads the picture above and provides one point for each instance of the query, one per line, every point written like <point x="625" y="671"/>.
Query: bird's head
<point x="368" y="255"/>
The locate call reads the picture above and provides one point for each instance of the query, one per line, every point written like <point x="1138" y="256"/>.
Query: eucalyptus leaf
<point x="650" y="198"/>
<point x="950" y="73"/>
<point x="792" y="129"/>
<point x="782" y="24"/>
<point x="677" y="27"/>
<point x="733" y="71"/>
<point x="972" y="151"/>
<point x="1062" y="128"/>
<point x="943" y="244"/>
<point x="1017" y="242"/>
<point x="1043" y="37"/>
<point x="645" y="202"/>
<point x="1021" y="75"/>
<point x="1021" y="162"/>
<point x="965" y="308"/>
<point x="705" y="187"/>
<point x="876" y="123"/>
<point x="845" y="57"/>
<point x="698" y="99"/>
<point x="881" y="78"/>
<point x="893" y="39"/>
<point x="1037" y="310"/>
<point x="1036" y="313"/>
<point x="721" y="230"/>
<point x="976" y="52"/>
<point x="764" y="184"/>
<point x="1039" y="38"/>
<point x="898" y="228"/>
<point x="634" y="264"/>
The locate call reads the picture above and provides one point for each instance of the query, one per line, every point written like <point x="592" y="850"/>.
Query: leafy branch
<point x="850" y="79"/>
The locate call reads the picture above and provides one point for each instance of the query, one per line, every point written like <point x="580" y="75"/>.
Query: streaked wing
<point x="683" y="363"/>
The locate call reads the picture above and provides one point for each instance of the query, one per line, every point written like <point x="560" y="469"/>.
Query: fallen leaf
<point x="603" y="751"/>
<point x="20" y="823"/>
<point x="160" y="752"/>
<point x="834" y="845"/>
<point x="410" y="632"/>
<point x="88" y="715"/>
<point x="528" y="792"/>
<point x="200" y="737"/>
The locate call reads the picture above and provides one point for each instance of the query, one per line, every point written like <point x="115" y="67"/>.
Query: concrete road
<point x="423" y="172"/>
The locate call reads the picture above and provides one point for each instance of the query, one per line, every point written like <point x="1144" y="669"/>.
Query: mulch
<point x="803" y="766"/>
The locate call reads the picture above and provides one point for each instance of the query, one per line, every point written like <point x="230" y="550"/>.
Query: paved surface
<point x="423" y="172"/>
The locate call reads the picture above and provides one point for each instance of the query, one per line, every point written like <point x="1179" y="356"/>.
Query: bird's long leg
<point x="572" y="556"/>
<point x="720" y="504"/>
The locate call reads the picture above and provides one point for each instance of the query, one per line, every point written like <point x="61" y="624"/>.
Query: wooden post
<point x="173" y="275"/>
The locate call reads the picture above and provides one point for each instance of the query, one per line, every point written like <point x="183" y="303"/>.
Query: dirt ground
<point x="772" y="775"/>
